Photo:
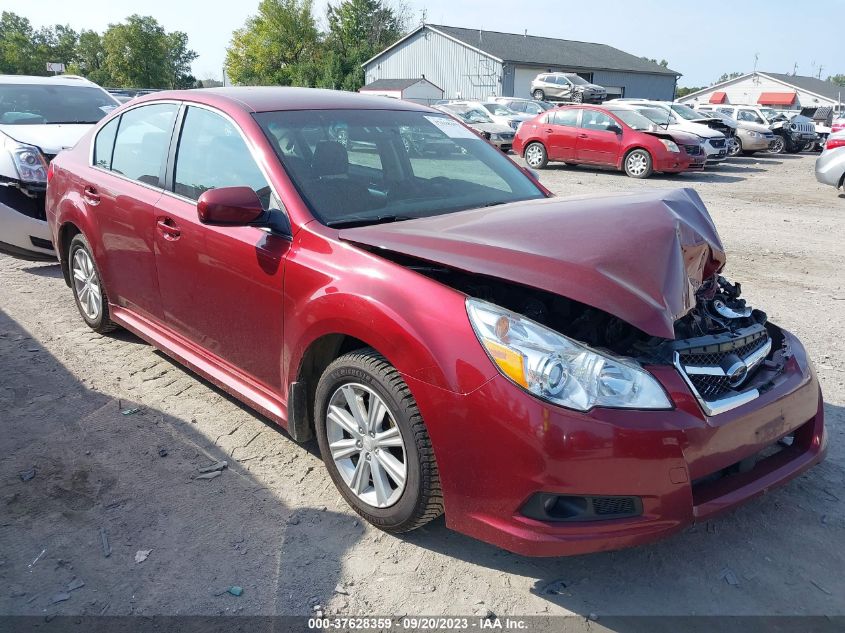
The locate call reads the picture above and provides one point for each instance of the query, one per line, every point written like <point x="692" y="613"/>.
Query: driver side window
<point x="212" y="154"/>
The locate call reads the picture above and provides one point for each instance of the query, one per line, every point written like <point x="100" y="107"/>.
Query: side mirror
<point x="229" y="206"/>
<point x="614" y="128"/>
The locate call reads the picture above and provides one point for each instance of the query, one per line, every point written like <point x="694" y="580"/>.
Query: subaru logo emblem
<point x="736" y="374"/>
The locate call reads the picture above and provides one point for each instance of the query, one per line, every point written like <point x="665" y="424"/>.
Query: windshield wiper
<point x="349" y="223"/>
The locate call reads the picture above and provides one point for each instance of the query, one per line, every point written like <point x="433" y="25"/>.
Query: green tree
<point x="358" y="29"/>
<point x="18" y="55"/>
<point x="839" y="80"/>
<point x="684" y="91"/>
<point x="179" y="58"/>
<point x="662" y="62"/>
<point x="278" y="45"/>
<point x="728" y="77"/>
<point x="90" y="59"/>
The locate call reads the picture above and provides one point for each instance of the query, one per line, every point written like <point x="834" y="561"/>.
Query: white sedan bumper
<point x="23" y="236"/>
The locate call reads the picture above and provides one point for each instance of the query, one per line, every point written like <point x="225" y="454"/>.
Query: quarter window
<point x="104" y="144"/>
<point x="212" y="154"/>
<point x="143" y="137"/>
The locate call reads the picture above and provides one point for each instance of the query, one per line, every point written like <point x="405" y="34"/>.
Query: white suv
<point x="39" y="117"/>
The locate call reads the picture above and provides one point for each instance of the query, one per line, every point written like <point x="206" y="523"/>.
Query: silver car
<point x="830" y="165"/>
<point x="566" y="87"/>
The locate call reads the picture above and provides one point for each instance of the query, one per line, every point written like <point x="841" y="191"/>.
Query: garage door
<point x="522" y="79"/>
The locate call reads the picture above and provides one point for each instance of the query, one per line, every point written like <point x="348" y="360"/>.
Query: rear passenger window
<point x="142" y="140"/>
<point x="104" y="144"/>
<point x="568" y="118"/>
<point x="212" y="154"/>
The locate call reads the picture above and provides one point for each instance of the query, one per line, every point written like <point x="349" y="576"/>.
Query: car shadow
<point x="736" y="168"/>
<point x="690" y="176"/>
<point x="740" y="563"/>
<point x="53" y="271"/>
<point x="91" y="480"/>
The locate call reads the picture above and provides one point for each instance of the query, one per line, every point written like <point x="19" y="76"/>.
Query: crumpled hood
<point x="637" y="256"/>
<point x="50" y="138"/>
<point x="493" y="128"/>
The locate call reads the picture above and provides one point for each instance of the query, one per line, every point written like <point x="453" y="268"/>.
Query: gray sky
<point x="700" y="39"/>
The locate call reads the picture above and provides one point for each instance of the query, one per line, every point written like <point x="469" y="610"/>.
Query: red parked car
<point x="611" y="136"/>
<point x="457" y="339"/>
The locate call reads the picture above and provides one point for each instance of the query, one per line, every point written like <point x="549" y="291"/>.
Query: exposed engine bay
<point x="720" y="345"/>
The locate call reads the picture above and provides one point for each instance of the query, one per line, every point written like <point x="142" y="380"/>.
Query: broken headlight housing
<point x="28" y="161"/>
<point x="558" y="369"/>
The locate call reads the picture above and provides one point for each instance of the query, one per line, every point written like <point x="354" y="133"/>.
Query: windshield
<point x="498" y="109"/>
<point x="685" y="112"/>
<point x="578" y="81"/>
<point x="470" y="115"/>
<point x="657" y="115"/>
<point x="37" y="104"/>
<point x="633" y="120"/>
<point x="356" y="167"/>
<point x="773" y="115"/>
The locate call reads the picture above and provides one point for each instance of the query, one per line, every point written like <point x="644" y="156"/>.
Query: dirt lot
<point x="273" y="524"/>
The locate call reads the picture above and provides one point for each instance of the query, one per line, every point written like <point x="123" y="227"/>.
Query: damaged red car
<point x="557" y="376"/>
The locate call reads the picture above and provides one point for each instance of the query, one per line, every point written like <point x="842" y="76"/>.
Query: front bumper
<point x="497" y="447"/>
<point x="23" y="236"/>
<point x="673" y="162"/>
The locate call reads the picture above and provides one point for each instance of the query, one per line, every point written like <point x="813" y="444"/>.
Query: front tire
<point x="374" y="443"/>
<point x="778" y="145"/>
<point x="536" y="156"/>
<point x="638" y="164"/>
<point x="87" y="286"/>
<point x="736" y="148"/>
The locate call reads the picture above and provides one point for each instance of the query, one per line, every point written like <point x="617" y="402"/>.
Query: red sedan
<point x="611" y="136"/>
<point x="456" y="339"/>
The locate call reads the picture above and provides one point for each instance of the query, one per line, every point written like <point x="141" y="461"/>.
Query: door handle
<point x="583" y="136"/>
<point x="549" y="130"/>
<point x="168" y="228"/>
<point x="90" y="195"/>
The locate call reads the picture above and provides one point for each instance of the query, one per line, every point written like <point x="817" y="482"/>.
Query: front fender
<point x="419" y="325"/>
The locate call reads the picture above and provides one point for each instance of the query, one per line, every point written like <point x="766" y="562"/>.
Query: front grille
<point x="707" y="367"/>
<point x="693" y="150"/>
<point x="16" y="199"/>
<point x="718" y="143"/>
<point x="613" y="505"/>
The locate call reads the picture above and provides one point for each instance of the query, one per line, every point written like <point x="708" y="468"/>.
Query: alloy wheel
<point x="534" y="155"/>
<point x="777" y="145"/>
<point x="86" y="284"/>
<point x="366" y="445"/>
<point x="636" y="164"/>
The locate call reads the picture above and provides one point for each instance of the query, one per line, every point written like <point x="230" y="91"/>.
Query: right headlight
<point x="558" y="369"/>
<point x="28" y="161"/>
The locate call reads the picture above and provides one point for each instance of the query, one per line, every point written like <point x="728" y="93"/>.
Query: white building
<point x="787" y="92"/>
<point x="419" y="90"/>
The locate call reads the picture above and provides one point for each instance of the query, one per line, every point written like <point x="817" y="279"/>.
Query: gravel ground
<point x="273" y="524"/>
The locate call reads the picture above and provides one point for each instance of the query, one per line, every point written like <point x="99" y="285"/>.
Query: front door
<point x="596" y="144"/>
<point x="221" y="287"/>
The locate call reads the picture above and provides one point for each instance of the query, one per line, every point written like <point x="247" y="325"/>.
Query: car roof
<point x="56" y="80"/>
<point x="272" y="98"/>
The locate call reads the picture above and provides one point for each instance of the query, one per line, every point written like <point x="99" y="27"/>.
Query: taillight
<point x="50" y="172"/>
<point x="832" y="143"/>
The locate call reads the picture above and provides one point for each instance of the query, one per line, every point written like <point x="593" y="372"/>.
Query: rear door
<point x="221" y="286"/>
<point x="121" y="190"/>
<point x="561" y="133"/>
<point x="596" y="144"/>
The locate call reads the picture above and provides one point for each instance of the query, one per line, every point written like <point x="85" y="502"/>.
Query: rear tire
<point x="539" y="95"/>
<point x="536" y="156"/>
<point x="638" y="164"/>
<point x="408" y="495"/>
<point x="87" y="286"/>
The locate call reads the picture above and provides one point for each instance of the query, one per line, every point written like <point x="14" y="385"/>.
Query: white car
<point x="715" y="143"/>
<point x="501" y="113"/>
<point x="39" y="117"/>
<point x="477" y="117"/>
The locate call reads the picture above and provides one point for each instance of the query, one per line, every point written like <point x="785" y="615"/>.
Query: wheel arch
<point x="624" y="154"/>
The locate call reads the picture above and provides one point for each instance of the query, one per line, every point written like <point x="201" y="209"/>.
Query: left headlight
<point x="558" y="369"/>
<point x="28" y="160"/>
<point x="670" y="146"/>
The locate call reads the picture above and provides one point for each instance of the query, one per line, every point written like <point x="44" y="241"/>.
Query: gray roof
<point x="548" y="51"/>
<point x="810" y="84"/>
<point x="392" y="84"/>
